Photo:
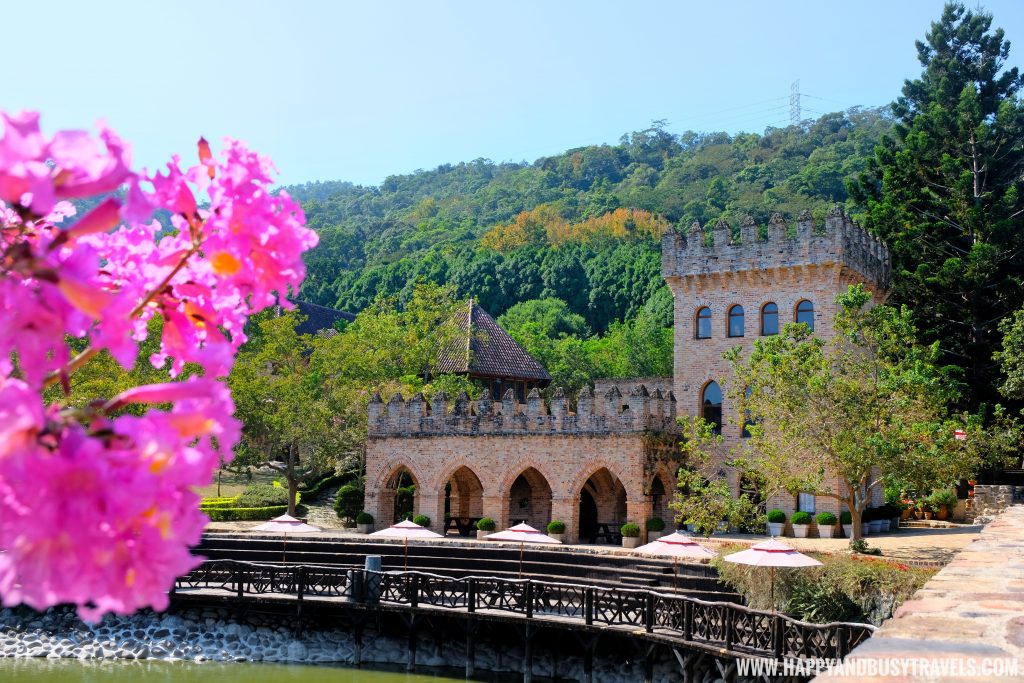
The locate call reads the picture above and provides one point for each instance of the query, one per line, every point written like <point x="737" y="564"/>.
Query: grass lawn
<point x="232" y="483"/>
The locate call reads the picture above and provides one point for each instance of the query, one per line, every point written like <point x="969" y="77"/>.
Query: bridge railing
<point x="724" y="625"/>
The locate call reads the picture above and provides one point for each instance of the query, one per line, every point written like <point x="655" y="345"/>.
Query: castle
<point x="615" y="457"/>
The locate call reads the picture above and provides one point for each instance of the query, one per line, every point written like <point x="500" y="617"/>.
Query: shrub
<point x="486" y="524"/>
<point x="826" y="519"/>
<point x="801" y="518"/>
<point x="261" y="495"/>
<point x="861" y="546"/>
<point x="630" y="530"/>
<point x="422" y="520"/>
<point x="943" y="497"/>
<point x="556" y="527"/>
<point x="845" y="517"/>
<point x="236" y="514"/>
<point x="317" y="488"/>
<point x="655" y="524"/>
<point x="364" y="517"/>
<point x="821" y="594"/>
<point x="777" y="516"/>
<point x="349" y="502"/>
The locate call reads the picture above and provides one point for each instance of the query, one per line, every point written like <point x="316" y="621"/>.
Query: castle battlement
<point x="839" y="242"/>
<point x="611" y="413"/>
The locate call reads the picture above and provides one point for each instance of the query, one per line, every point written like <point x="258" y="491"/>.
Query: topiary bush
<point x="801" y="518"/>
<point x="422" y="520"/>
<point x="776" y="516"/>
<point x="349" y="501"/>
<point x="845" y="517"/>
<point x="236" y="514"/>
<point x="826" y="519"/>
<point x="260" y="496"/>
<point x="556" y="527"/>
<point x="630" y="530"/>
<point x="655" y="524"/>
<point x="364" y="517"/>
<point x="486" y="524"/>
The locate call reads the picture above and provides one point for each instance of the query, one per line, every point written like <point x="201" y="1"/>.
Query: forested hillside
<point x="581" y="226"/>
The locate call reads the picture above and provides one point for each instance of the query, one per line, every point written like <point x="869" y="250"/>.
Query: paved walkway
<point x="965" y="624"/>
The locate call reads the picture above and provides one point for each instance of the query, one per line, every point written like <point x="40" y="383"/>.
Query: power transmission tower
<point x="794" y="103"/>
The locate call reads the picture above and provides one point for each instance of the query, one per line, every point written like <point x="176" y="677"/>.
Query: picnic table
<point x="606" y="531"/>
<point x="466" y="526"/>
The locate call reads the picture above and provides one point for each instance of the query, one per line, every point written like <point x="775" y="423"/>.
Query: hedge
<point x="323" y="484"/>
<point x="244" y="514"/>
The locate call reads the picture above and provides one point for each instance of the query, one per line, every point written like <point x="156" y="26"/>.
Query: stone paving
<point x="965" y="624"/>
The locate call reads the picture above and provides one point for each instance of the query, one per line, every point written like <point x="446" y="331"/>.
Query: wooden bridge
<point x="687" y="625"/>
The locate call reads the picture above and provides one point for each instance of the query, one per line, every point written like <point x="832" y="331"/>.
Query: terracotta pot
<point x="927" y="514"/>
<point x="943" y="512"/>
<point x="907" y="513"/>
<point x="918" y="514"/>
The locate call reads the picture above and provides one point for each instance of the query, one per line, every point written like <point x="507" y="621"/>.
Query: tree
<point x="288" y="421"/>
<point x="946" y="192"/>
<point x="551" y="316"/>
<point x="868" y="405"/>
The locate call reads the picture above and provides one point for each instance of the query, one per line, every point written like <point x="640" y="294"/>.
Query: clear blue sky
<point x="346" y="91"/>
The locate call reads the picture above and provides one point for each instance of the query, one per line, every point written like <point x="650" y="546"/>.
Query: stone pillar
<point x="372" y="503"/>
<point x="567" y="509"/>
<point x="638" y="511"/>
<point x="495" y="507"/>
<point x="432" y="505"/>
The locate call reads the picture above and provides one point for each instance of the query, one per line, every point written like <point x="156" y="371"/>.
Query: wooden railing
<point x="725" y="626"/>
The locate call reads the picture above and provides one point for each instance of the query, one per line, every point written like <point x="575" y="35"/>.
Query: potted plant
<point x="556" y="529"/>
<point x="630" y="535"/>
<point x="943" y="501"/>
<point x="801" y="522"/>
<point x="919" y="509"/>
<point x="865" y="521"/>
<point x="846" y="519"/>
<point x="776" y="522"/>
<point x="655" y="528"/>
<point x="907" y="512"/>
<point x="364" y="522"/>
<point x="485" y="526"/>
<point x="879" y="520"/>
<point x="826" y="524"/>
<point x="422" y="520"/>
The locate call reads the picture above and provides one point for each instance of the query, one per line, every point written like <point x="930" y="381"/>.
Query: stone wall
<point x="627" y="384"/>
<point x="516" y="462"/>
<point x="991" y="499"/>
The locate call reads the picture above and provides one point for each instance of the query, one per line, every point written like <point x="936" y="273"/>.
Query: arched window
<point x="769" y="319"/>
<point x="704" y="323"/>
<point x="736" y="321"/>
<point x="805" y="313"/>
<point x="711" y="406"/>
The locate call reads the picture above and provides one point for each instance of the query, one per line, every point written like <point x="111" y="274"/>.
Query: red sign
<point x="960" y="435"/>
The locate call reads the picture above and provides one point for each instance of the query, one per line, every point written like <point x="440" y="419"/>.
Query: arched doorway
<point x="464" y="494"/>
<point x="529" y="499"/>
<point x="399" y="495"/>
<point x="606" y="493"/>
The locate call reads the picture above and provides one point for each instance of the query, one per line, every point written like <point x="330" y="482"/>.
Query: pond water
<point x="38" y="670"/>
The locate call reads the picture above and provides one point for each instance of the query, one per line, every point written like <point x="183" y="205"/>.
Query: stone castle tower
<point x="731" y="289"/>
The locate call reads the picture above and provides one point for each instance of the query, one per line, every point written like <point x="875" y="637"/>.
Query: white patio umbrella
<point x="522" y="534"/>
<point x="772" y="554"/>
<point x="406" y="530"/>
<point x="286" y="524"/>
<point x="678" y="546"/>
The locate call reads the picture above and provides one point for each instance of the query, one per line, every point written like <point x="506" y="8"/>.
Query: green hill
<point x="581" y="226"/>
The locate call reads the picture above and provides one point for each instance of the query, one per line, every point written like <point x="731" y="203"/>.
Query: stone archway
<point x="464" y="494"/>
<point x="529" y="499"/>
<point x="603" y="495"/>
<point x="399" y="497"/>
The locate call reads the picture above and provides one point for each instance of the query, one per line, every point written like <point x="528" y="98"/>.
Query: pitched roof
<point x="487" y="350"/>
<point x="319" y="318"/>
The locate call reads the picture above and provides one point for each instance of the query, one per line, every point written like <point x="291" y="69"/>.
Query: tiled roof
<point x="319" y="318"/>
<point x="488" y="351"/>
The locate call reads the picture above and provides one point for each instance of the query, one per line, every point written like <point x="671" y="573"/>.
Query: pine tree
<point x="945" y="191"/>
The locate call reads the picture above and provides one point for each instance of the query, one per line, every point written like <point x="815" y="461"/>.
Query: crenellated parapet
<point x="839" y="242"/>
<point x="611" y="413"/>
